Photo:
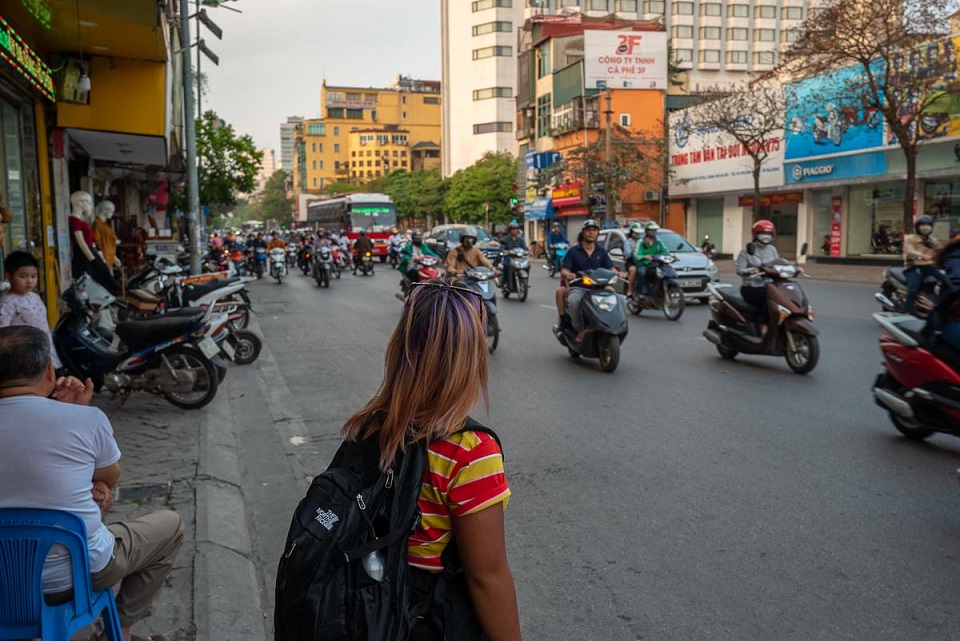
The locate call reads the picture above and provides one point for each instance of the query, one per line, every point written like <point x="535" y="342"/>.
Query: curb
<point x="226" y="598"/>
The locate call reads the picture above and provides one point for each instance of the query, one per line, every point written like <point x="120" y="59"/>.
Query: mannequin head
<point x="105" y="210"/>
<point x="81" y="204"/>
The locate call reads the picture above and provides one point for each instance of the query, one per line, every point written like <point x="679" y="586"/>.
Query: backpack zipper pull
<point x="389" y="483"/>
<point x="293" y="547"/>
<point x="360" y="502"/>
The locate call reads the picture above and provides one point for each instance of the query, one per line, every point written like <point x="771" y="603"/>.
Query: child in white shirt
<point x="21" y="305"/>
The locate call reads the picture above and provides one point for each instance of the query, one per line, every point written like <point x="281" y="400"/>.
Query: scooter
<point x="519" y="281"/>
<point x="665" y="293"/>
<point x="394" y="253"/>
<point x="365" y="263"/>
<point x="481" y="279"/>
<point x="322" y="266"/>
<point x="559" y="253"/>
<point x="339" y="260"/>
<point x="920" y="386"/>
<point x="278" y="264"/>
<point x="304" y="258"/>
<point x="427" y="269"/>
<point x="735" y="326"/>
<point x="604" y="319"/>
<point x="175" y="356"/>
<point x="893" y="292"/>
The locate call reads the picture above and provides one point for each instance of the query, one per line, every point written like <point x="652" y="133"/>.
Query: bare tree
<point x="750" y="115"/>
<point x="889" y="58"/>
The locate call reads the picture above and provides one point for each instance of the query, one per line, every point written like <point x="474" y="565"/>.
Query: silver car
<point x="694" y="269"/>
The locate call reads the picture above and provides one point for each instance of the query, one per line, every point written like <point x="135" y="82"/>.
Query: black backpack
<point x="353" y="510"/>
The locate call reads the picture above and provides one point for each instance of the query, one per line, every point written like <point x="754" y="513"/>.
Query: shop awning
<point x="572" y="211"/>
<point x="126" y="149"/>
<point x="541" y="209"/>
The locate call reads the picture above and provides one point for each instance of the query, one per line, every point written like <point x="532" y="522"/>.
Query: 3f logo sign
<point x="627" y="44"/>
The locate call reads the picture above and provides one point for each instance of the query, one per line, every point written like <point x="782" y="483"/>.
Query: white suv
<point x="694" y="269"/>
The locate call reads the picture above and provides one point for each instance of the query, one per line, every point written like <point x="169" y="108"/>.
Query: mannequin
<point x="104" y="235"/>
<point x="6" y="215"/>
<point x="86" y="258"/>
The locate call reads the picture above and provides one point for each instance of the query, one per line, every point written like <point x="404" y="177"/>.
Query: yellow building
<point x="403" y="116"/>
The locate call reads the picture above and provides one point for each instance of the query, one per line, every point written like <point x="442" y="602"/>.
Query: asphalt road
<point x="683" y="496"/>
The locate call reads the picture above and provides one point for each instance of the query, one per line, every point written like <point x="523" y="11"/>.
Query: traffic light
<point x="514" y="201"/>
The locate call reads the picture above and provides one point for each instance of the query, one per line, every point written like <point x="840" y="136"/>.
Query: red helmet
<point x="763" y="227"/>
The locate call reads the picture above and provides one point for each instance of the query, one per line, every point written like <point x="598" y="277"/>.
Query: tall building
<point x="714" y="42"/>
<point x="268" y="166"/>
<point x="287" y="130"/>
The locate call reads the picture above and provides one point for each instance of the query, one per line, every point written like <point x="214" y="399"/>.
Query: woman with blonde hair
<point x="436" y="371"/>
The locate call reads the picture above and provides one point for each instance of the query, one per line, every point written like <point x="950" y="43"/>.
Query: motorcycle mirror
<point x="803" y="250"/>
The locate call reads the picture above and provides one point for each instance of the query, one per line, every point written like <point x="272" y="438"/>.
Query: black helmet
<point x="416" y="237"/>
<point x="468" y="232"/>
<point x="514" y="225"/>
<point x="589" y="222"/>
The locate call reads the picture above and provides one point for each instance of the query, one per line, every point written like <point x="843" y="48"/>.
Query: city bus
<point x="251" y="226"/>
<point x="375" y="213"/>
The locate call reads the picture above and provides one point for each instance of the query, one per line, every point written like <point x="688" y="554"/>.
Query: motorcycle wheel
<point x="573" y="353"/>
<point x="727" y="352"/>
<point x="241" y="322"/>
<point x="633" y="306"/>
<point x="552" y="271"/>
<point x="259" y="269"/>
<point x="247" y="346"/>
<point x="609" y="353"/>
<point x="336" y="271"/>
<point x="523" y="288"/>
<point x="804" y="358"/>
<point x="493" y="334"/>
<point x="205" y="387"/>
<point x="673" y="302"/>
<point x="221" y="373"/>
<point x="325" y="277"/>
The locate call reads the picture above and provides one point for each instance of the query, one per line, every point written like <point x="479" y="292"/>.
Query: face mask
<point x="764" y="239"/>
<point x="925" y="230"/>
<point x="651" y="234"/>
<point x="635" y="235"/>
<point x="468" y="242"/>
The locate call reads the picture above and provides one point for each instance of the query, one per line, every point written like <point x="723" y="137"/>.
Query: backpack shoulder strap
<point x="473" y="425"/>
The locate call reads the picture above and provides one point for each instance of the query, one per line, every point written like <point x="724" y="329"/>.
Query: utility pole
<point x="190" y="142"/>
<point x="608" y="215"/>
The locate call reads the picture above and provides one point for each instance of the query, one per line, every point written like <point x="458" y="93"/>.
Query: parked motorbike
<point x="709" y="249"/>
<point x="519" y="281"/>
<point x="481" y="279"/>
<point x="664" y="292"/>
<point x="365" y="264"/>
<point x="559" y="253"/>
<point x="920" y="385"/>
<point x="886" y="241"/>
<point x="735" y="326"/>
<point x="175" y="355"/>
<point x="604" y="318"/>
<point x="427" y="269"/>
<point x="322" y="268"/>
<point x="893" y="292"/>
<point x="278" y="264"/>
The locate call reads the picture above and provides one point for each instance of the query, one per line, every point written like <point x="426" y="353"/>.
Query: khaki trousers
<point x="143" y="556"/>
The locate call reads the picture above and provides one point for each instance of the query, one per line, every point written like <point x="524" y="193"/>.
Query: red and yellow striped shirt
<point x="464" y="475"/>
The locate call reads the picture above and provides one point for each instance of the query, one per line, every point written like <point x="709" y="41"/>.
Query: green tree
<point x="228" y="163"/>
<point x="415" y="194"/>
<point x="274" y="204"/>
<point x="488" y="184"/>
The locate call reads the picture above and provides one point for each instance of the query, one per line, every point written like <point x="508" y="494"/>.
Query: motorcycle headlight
<point x="606" y="303"/>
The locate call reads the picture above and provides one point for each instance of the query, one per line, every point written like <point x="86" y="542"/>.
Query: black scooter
<point x="604" y="319"/>
<point x="481" y="279"/>
<point x="663" y="291"/>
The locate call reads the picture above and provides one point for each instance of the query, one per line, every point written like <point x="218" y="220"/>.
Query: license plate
<point x="209" y="347"/>
<point x="691" y="284"/>
<point x="228" y="349"/>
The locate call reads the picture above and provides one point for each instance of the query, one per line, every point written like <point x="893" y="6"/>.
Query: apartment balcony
<point x="574" y="118"/>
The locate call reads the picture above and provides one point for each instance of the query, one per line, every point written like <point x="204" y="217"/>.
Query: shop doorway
<point x="710" y="222"/>
<point x="784" y="217"/>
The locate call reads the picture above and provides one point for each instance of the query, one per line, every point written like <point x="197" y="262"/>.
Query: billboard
<point x="709" y="161"/>
<point x="873" y="163"/>
<point x="625" y="59"/>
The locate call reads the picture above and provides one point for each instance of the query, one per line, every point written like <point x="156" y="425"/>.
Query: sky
<point x="275" y="55"/>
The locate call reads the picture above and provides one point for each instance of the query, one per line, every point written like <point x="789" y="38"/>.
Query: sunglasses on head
<point x="442" y="285"/>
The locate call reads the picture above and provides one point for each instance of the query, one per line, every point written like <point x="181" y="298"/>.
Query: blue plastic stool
<point x="25" y="539"/>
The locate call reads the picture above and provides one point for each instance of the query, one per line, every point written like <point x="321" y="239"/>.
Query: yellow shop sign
<point x="15" y="52"/>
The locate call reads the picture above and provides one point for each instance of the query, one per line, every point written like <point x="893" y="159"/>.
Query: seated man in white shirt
<point x="57" y="453"/>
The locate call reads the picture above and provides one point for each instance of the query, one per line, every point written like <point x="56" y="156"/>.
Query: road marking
<point x="547" y="306"/>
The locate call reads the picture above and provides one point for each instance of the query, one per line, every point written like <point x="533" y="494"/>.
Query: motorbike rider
<point x="465" y="255"/>
<point x="643" y="253"/>
<point x="757" y="253"/>
<point x="583" y="256"/>
<point x="633" y="238"/>
<point x="919" y="250"/>
<point x="360" y="249"/>
<point x="396" y="241"/>
<point x="554" y="237"/>
<point x="513" y="240"/>
<point x="416" y="249"/>
<point x="945" y="317"/>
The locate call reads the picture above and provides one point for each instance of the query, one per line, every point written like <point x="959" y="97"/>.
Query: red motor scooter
<point x="427" y="269"/>
<point x="919" y="387"/>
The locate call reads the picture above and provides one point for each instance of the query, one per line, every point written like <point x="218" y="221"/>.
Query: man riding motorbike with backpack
<point x="466" y="256"/>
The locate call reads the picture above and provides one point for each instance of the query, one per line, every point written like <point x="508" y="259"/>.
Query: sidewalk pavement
<point x="869" y="274"/>
<point x="187" y="461"/>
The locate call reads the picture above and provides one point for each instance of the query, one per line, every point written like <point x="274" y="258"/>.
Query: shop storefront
<point x="26" y="89"/>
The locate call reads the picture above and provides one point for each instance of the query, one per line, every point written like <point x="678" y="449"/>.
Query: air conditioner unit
<point x="651" y="195"/>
